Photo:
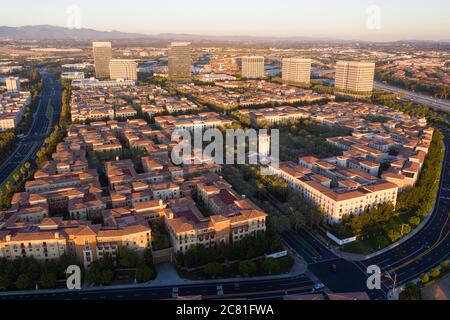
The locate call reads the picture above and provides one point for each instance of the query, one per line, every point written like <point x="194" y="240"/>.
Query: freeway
<point x="440" y="104"/>
<point x="28" y="146"/>
<point x="252" y="290"/>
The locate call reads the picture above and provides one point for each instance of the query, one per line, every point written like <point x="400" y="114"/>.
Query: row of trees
<point x="26" y="273"/>
<point x="246" y="268"/>
<point x="8" y="140"/>
<point x="247" y="248"/>
<point x="388" y="223"/>
<point x="60" y="130"/>
<point x="438" y="90"/>
<point x="104" y="271"/>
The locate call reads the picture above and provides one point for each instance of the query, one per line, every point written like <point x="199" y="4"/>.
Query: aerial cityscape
<point x="206" y="160"/>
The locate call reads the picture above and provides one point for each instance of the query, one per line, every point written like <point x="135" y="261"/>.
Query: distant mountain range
<point x="60" y="33"/>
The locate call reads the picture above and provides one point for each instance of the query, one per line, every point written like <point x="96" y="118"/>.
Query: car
<point x="334" y="268"/>
<point x="319" y="286"/>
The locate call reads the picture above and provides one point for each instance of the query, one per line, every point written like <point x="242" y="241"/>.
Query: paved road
<point x="28" y="147"/>
<point x="440" y="104"/>
<point x="258" y="290"/>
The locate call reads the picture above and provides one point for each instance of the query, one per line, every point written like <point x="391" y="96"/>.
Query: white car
<point x="319" y="286"/>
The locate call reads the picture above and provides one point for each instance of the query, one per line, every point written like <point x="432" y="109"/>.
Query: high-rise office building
<point x="253" y="67"/>
<point x="297" y="70"/>
<point x="13" y="84"/>
<point x="180" y="61"/>
<point x="355" y="76"/>
<point x="102" y="57"/>
<point x="125" y="69"/>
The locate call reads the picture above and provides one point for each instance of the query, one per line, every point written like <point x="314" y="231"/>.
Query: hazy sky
<point x="344" y="19"/>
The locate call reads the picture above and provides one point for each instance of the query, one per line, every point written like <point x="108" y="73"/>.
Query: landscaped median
<point x="413" y="290"/>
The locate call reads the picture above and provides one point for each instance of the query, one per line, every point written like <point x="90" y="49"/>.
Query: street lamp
<point x="394" y="281"/>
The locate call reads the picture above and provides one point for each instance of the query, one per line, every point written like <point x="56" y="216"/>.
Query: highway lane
<point x="256" y="289"/>
<point x="28" y="147"/>
<point x="440" y="104"/>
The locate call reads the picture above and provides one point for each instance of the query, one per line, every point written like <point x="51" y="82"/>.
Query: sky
<point x="374" y="20"/>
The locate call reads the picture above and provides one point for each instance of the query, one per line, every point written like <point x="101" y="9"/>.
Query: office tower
<point x="102" y="57"/>
<point x="13" y="84"/>
<point x="355" y="76"/>
<point x="297" y="70"/>
<point x="125" y="69"/>
<point x="180" y="60"/>
<point x="253" y="67"/>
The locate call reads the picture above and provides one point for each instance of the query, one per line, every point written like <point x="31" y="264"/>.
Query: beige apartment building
<point x="253" y="67"/>
<point x="102" y="58"/>
<point x="52" y="238"/>
<point x="180" y="61"/>
<point x="350" y="198"/>
<point x="13" y="84"/>
<point x="355" y="76"/>
<point x="296" y="70"/>
<point x="124" y="69"/>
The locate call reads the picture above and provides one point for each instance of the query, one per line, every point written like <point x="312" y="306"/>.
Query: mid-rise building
<point x="102" y="57"/>
<point x="13" y="84"/>
<point x="253" y="67"/>
<point x="125" y="69"/>
<point x="72" y="75"/>
<point x="355" y="76"/>
<point x="297" y="70"/>
<point x="180" y="61"/>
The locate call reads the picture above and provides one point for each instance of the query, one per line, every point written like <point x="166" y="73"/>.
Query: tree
<point x="48" y="280"/>
<point x="23" y="281"/>
<point x="414" y="221"/>
<point x="213" y="269"/>
<point x="424" y="278"/>
<point x="107" y="276"/>
<point x="411" y="292"/>
<point x="271" y="266"/>
<point x="126" y="257"/>
<point x="144" y="273"/>
<point x="4" y="282"/>
<point x="394" y="235"/>
<point x="247" y="268"/>
<point x="435" y="273"/>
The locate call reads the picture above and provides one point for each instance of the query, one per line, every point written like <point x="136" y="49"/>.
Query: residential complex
<point x="297" y="70"/>
<point x="355" y="76"/>
<point x="13" y="84"/>
<point x="65" y="210"/>
<point x="102" y="58"/>
<point x="12" y="108"/>
<point x="180" y="61"/>
<point x="253" y="67"/>
<point x="354" y="182"/>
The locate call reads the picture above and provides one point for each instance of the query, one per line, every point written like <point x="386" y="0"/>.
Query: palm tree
<point x="27" y="166"/>
<point x="16" y="177"/>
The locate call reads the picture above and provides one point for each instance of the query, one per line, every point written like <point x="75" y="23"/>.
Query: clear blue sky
<point x="344" y="19"/>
